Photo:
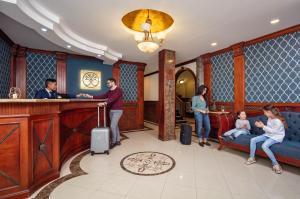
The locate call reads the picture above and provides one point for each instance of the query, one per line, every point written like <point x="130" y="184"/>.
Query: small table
<point x="214" y="117"/>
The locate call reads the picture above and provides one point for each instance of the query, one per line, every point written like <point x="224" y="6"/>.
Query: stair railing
<point x="180" y="106"/>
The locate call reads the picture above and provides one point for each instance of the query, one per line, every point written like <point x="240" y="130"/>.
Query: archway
<point x="185" y="86"/>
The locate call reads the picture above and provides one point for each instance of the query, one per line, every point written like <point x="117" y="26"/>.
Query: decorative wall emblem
<point x="147" y="163"/>
<point x="90" y="80"/>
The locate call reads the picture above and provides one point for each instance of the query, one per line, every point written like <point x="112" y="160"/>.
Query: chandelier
<point x="149" y="28"/>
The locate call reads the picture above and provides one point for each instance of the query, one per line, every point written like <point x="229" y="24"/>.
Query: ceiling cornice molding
<point x="6" y="38"/>
<point x="47" y="19"/>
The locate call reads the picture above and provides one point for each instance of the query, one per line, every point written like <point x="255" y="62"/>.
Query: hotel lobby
<point x="164" y="99"/>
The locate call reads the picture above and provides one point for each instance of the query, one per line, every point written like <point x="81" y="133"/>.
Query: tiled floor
<point x="199" y="173"/>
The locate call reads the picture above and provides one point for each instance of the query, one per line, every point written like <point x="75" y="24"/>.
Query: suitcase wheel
<point x="92" y="152"/>
<point x="107" y="152"/>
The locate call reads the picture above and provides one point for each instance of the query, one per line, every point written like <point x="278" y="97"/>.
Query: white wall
<point x="151" y="82"/>
<point x="151" y="88"/>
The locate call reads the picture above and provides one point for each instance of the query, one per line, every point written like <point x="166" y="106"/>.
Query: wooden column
<point x="140" y="89"/>
<point x="207" y="74"/>
<point x="116" y="72"/>
<point x="21" y="68"/>
<point x="167" y="95"/>
<point x="61" y="72"/>
<point x="239" y="77"/>
<point x="13" y="65"/>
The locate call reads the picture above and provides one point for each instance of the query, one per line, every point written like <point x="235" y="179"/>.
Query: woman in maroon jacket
<point x="115" y="106"/>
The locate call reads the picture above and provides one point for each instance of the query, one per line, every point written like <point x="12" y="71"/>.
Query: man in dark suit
<point x="49" y="92"/>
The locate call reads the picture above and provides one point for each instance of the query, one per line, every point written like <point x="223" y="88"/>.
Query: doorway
<point x="185" y="88"/>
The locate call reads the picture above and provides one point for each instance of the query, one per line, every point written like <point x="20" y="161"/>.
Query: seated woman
<point x="242" y="126"/>
<point x="274" y="133"/>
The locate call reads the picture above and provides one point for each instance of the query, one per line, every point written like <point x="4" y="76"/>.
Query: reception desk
<point x="38" y="136"/>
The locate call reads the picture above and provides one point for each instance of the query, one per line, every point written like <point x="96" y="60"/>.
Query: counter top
<point x="48" y="100"/>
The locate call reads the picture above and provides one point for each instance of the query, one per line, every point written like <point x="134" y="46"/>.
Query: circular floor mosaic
<point x="147" y="163"/>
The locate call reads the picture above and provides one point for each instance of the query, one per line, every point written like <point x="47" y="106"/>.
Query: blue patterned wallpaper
<point x="222" y="77"/>
<point x="128" y="81"/>
<point x="4" y="68"/>
<point x="39" y="68"/>
<point x="273" y="70"/>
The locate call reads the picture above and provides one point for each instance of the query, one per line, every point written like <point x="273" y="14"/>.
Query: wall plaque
<point x="90" y="80"/>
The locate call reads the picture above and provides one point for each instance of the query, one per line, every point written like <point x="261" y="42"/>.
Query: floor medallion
<point x="147" y="163"/>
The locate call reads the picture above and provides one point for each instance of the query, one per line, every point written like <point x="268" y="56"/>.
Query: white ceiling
<point x="96" y="24"/>
<point x="25" y="36"/>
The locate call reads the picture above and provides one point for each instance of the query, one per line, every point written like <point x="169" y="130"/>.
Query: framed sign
<point x="90" y="80"/>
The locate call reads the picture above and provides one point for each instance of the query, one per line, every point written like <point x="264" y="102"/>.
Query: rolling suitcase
<point x="186" y="134"/>
<point x="100" y="137"/>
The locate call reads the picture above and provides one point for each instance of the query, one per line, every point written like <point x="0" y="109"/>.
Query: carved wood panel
<point x="76" y="126"/>
<point x="10" y="152"/>
<point x="42" y="136"/>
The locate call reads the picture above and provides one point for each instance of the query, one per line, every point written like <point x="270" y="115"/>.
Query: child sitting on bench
<point x="242" y="126"/>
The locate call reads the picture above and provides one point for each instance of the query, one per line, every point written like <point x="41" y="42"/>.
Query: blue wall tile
<point x="4" y="68"/>
<point x="75" y="64"/>
<point x="128" y="81"/>
<point x="222" y="77"/>
<point x="39" y="68"/>
<point x="273" y="70"/>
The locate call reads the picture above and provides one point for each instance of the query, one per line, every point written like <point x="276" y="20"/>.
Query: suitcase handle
<point x="104" y="115"/>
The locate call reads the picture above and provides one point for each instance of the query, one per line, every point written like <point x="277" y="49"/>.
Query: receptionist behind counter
<point x="49" y="92"/>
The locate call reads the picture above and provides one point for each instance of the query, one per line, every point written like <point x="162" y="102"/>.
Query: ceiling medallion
<point x="149" y="28"/>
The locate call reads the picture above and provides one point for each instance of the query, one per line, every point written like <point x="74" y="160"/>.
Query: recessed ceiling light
<point x="274" y="21"/>
<point x="44" y="29"/>
<point x="98" y="55"/>
<point x="213" y="44"/>
<point x="69" y="46"/>
<point x="170" y="61"/>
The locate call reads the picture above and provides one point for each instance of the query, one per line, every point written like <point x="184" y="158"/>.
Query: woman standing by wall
<point x="200" y="108"/>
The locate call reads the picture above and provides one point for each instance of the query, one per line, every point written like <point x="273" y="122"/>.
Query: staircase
<point x="179" y="119"/>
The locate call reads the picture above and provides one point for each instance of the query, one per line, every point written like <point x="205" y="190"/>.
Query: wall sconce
<point x="181" y="81"/>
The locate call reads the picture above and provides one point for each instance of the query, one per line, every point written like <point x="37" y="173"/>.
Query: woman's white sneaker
<point x="250" y="161"/>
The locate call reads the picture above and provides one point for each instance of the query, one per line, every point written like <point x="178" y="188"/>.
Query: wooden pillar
<point x="140" y="89"/>
<point x="13" y="65"/>
<point x="116" y="72"/>
<point x="167" y="95"/>
<point x="21" y="68"/>
<point x="239" y="77"/>
<point x="207" y="74"/>
<point x="61" y="72"/>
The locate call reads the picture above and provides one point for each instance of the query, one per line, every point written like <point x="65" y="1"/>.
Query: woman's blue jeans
<point x="202" y="120"/>
<point x="265" y="146"/>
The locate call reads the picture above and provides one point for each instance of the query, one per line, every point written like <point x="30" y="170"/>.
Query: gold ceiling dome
<point x="143" y="23"/>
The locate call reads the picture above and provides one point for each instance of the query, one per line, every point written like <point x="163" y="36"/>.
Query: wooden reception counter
<point x="37" y="137"/>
